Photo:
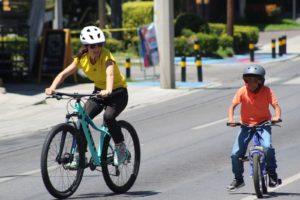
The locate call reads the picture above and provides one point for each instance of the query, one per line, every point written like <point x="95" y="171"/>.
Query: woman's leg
<point x="92" y="109"/>
<point x="113" y="109"/>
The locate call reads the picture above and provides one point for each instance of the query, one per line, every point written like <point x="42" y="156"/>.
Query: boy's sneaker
<point x="273" y="180"/>
<point x="120" y="153"/>
<point x="236" y="184"/>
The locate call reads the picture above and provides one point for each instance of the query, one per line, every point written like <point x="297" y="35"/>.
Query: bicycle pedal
<point x="244" y="159"/>
<point x="279" y="181"/>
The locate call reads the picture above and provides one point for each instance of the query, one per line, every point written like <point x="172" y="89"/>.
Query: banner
<point x="148" y="45"/>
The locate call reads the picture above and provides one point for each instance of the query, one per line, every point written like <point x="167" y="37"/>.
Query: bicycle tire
<point x="258" y="178"/>
<point x="60" y="181"/>
<point x="122" y="181"/>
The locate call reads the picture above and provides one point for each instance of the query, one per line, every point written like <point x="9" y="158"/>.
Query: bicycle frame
<point x="257" y="149"/>
<point x="85" y="120"/>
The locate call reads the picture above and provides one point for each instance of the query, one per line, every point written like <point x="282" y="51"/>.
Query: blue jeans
<point x="240" y="147"/>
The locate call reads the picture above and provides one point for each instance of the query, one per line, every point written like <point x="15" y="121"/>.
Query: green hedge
<point x="242" y="35"/>
<point x="183" y="47"/>
<point x="208" y="43"/>
<point x="136" y="14"/>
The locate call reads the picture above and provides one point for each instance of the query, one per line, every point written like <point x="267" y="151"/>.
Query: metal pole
<point x="294" y="10"/>
<point x="165" y="33"/>
<point x="58" y="15"/>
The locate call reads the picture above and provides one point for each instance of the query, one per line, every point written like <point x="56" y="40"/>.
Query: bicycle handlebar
<point x="59" y="95"/>
<point x="269" y="123"/>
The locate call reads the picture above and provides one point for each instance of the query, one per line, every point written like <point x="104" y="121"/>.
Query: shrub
<point x="217" y="28"/>
<point x="208" y="43"/>
<point x="183" y="47"/>
<point x="136" y="14"/>
<point x="187" y="32"/>
<point x="192" y="22"/>
<point x="225" y="41"/>
<point x="242" y="37"/>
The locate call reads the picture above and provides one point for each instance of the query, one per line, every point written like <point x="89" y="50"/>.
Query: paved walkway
<point x="23" y="109"/>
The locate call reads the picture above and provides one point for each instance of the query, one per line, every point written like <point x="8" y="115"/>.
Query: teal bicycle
<point x="64" y="143"/>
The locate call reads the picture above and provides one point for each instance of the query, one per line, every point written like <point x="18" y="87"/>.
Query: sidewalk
<point x="24" y="111"/>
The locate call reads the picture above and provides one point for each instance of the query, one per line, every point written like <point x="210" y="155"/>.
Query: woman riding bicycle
<point x="255" y="99"/>
<point x="100" y="66"/>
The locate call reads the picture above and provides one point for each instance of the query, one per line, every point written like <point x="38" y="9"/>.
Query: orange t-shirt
<point x="255" y="106"/>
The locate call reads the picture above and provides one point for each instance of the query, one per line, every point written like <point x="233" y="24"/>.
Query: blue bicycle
<point x="256" y="158"/>
<point x="64" y="143"/>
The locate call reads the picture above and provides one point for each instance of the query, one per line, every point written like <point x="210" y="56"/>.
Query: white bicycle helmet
<point x="91" y="35"/>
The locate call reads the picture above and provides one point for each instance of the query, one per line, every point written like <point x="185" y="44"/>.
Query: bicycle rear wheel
<point x="121" y="178"/>
<point x="258" y="178"/>
<point x="58" y="151"/>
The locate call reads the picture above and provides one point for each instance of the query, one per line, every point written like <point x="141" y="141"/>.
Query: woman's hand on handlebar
<point x="104" y="93"/>
<point x="49" y="91"/>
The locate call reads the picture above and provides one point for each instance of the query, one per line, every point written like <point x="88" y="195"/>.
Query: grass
<point x="284" y="24"/>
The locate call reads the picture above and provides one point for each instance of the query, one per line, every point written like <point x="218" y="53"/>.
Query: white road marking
<point x="285" y="182"/>
<point x="271" y="79"/>
<point x="4" y="179"/>
<point x="294" y="81"/>
<point x="210" y="124"/>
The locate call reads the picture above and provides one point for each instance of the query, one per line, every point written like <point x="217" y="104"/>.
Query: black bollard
<point x="199" y="68"/>
<point x="284" y="44"/>
<point x="273" y="41"/>
<point x="127" y="66"/>
<point x="196" y="47"/>
<point x="183" y="69"/>
<point x="280" y="46"/>
<point x="251" y="50"/>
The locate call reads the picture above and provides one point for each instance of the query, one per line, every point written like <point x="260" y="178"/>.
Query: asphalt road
<point x="185" y="147"/>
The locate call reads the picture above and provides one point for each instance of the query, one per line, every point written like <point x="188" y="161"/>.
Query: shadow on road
<point x="127" y="194"/>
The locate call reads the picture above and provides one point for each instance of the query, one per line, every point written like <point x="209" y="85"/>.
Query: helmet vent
<point x="98" y="35"/>
<point x="91" y="37"/>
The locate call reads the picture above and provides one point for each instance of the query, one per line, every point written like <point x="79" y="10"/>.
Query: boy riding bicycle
<point x="255" y="99"/>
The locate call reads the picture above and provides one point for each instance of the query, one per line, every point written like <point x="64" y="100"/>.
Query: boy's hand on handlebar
<point x="231" y="123"/>
<point x="276" y="120"/>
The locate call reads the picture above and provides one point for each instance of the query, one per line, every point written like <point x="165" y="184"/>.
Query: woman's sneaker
<point x="236" y="184"/>
<point x="75" y="163"/>
<point x="120" y="154"/>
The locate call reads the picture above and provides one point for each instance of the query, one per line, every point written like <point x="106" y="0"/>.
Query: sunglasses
<point x="93" y="46"/>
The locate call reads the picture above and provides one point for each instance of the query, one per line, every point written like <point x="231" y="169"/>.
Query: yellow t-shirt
<point x="97" y="72"/>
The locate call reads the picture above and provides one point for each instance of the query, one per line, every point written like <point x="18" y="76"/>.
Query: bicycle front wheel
<point x="59" y="149"/>
<point x="258" y="177"/>
<point x="121" y="178"/>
